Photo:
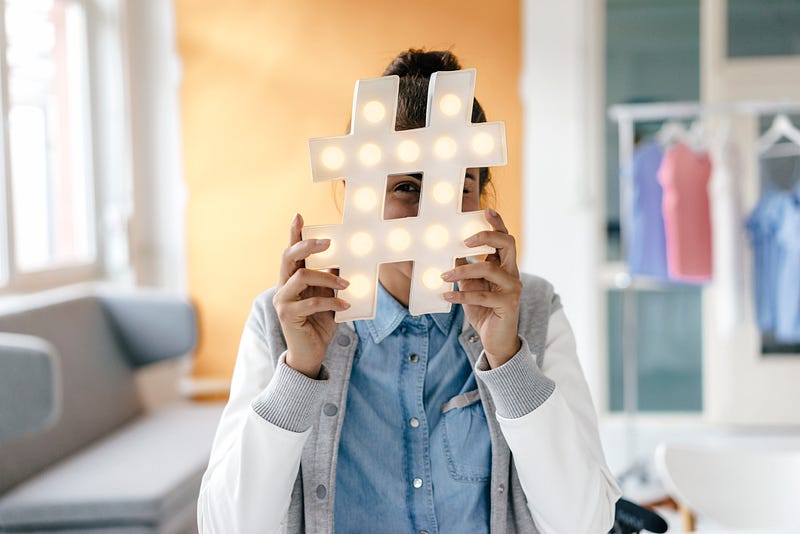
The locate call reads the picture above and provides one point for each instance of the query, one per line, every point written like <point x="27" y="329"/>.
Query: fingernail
<point x="471" y="240"/>
<point x="345" y="305"/>
<point x="294" y="218"/>
<point x="447" y="275"/>
<point x="322" y="241"/>
<point x="449" y="295"/>
<point x="491" y="212"/>
<point x="341" y="282"/>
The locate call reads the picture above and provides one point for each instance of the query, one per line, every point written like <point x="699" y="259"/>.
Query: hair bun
<point x="418" y="62"/>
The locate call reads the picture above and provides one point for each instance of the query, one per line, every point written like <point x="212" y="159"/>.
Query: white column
<point x="157" y="231"/>
<point x="563" y="98"/>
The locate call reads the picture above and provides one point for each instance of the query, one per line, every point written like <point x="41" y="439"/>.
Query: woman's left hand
<point x="490" y="291"/>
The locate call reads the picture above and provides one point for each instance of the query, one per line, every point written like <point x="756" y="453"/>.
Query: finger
<point x="487" y="299"/>
<point x="304" y="278"/>
<point x="288" y="267"/>
<point x="495" y="220"/>
<point x="303" y="249"/>
<point x="489" y="271"/>
<point x="312" y="305"/>
<point x="504" y="243"/>
<point x="296" y="229"/>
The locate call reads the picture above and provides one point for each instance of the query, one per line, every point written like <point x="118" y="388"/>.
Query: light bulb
<point x="361" y="243"/>
<point x="445" y="147"/>
<point x="359" y="286"/>
<point x="370" y="154"/>
<point x="365" y="199"/>
<point x="482" y="143"/>
<point x="443" y="192"/>
<point x="450" y="104"/>
<point x="471" y="228"/>
<point x="408" y="151"/>
<point x="399" y="239"/>
<point x="333" y="158"/>
<point x="436" y="236"/>
<point x="374" y="111"/>
<point x="432" y="278"/>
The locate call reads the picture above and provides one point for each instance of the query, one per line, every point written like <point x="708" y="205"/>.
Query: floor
<point x="630" y="444"/>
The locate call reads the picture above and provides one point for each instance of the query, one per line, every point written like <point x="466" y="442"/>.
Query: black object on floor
<point x="631" y="518"/>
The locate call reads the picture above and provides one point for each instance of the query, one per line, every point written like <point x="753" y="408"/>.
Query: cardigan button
<point x="501" y="488"/>
<point x="343" y="341"/>
<point x="474" y="338"/>
<point x="321" y="491"/>
<point x="330" y="409"/>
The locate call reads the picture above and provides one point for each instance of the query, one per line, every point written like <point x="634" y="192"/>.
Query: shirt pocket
<point x="465" y="436"/>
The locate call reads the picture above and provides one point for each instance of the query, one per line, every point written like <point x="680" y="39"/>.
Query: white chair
<point x="735" y="487"/>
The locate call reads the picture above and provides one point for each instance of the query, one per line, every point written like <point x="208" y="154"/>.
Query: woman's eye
<point x="406" y="187"/>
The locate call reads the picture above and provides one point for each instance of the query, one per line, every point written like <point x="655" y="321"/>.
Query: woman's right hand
<point x="305" y="303"/>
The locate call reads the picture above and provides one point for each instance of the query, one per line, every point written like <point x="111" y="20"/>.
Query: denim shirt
<point x="415" y="449"/>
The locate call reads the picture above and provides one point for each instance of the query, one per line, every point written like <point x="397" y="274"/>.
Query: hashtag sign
<point x="373" y="150"/>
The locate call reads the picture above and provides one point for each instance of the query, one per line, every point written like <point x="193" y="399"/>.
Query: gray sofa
<point x="104" y="464"/>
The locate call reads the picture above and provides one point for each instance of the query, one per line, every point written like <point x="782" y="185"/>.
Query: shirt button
<point x="343" y="341"/>
<point x="414" y="358"/>
<point x="501" y="488"/>
<point x="414" y="422"/>
<point x="417" y="482"/>
<point x="474" y="338"/>
<point x="330" y="409"/>
<point x="423" y="532"/>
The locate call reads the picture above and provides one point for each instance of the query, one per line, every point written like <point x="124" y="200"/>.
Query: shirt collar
<point x="389" y="314"/>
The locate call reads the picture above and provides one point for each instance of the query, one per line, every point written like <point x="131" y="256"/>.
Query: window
<point x="763" y="29"/>
<point x="49" y="214"/>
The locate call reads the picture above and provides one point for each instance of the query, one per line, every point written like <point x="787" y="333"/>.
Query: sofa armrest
<point x="30" y="385"/>
<point x="151" y="327"/>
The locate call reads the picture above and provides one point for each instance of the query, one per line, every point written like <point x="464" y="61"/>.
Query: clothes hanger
<point x="695" y="137"/>
<point x="781" y="127"/>
<point x="670" y="132"/>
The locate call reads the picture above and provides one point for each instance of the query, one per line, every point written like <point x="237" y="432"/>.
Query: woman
<point x="477" y="420"/>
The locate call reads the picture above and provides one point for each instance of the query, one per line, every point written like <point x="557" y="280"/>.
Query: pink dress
<point x="685" y="175"/>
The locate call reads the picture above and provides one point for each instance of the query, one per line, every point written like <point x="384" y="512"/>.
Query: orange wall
<point x="260" y="78"/>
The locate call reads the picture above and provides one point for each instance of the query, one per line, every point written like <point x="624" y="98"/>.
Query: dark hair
<point x="415" y="67"/>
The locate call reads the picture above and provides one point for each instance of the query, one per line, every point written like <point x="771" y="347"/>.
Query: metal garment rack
<point x="626" y="116"/>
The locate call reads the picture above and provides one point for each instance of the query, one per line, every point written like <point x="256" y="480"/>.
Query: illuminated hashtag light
<point x="442" y="151"/>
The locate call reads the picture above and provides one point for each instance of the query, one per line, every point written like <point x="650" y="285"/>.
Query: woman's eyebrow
<point x="470" y="176"/>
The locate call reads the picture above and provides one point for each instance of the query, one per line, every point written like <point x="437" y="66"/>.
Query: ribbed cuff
<point x="290" y="398"/>
<point x="518" y="386"/>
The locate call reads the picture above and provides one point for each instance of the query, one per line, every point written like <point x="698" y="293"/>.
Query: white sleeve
<point x="555" y="443"/>
<point x="248" y="484"/>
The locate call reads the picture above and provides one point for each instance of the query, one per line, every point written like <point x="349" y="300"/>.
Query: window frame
<point x="106" y="89"/>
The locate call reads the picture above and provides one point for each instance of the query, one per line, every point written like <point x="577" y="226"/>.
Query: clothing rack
<point x="626" y="116"/>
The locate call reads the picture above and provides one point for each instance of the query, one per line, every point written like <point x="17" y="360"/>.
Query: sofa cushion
<point x="30" y="385"/>
<point x="150" y="326"/>
<point x="98" y="389"/>
<point x="141" y="475"/>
